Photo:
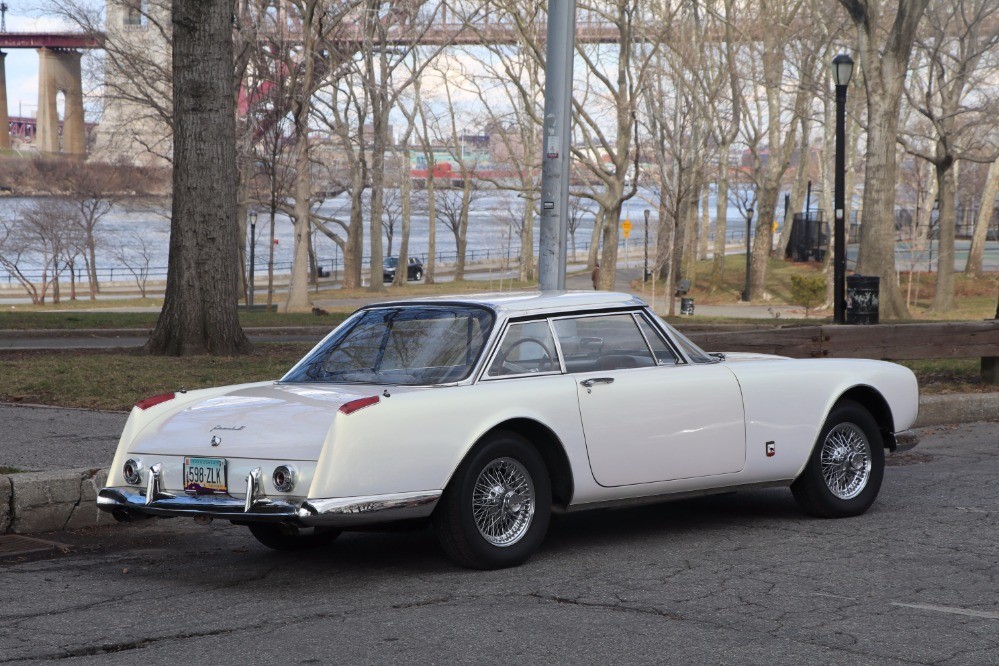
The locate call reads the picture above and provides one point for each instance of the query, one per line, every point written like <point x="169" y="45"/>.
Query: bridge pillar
<point x="59" y="72"/>
<point x="4" y="117"/>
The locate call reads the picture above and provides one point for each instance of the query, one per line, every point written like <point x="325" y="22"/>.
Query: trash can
<point x="687" y="306"/>
<point x="862" y="294"/>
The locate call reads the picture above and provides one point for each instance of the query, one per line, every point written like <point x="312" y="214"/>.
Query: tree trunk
<point x="431" y="266"/>
<point x="298" y="288"/>
<point x="985" y="213"/>
<point x="200" y="308"/>
<point x="527" y="239"/>
<point x="405" y="194"/>
<point x="943" y="299"/>
<point x="608" y="254"/>
<point x="721" y="226"/>
<point x="877" y="230"/>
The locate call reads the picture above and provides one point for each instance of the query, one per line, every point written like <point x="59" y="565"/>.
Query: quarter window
<point x="609" y="342"/>
<point x="527" y="347"/>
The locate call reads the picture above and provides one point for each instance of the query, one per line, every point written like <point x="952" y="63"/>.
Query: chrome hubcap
<point x="503" y="502"/>
<point x="846" y="461"/>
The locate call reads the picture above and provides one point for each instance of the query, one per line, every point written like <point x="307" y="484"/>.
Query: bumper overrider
<point x="128" y="503"/>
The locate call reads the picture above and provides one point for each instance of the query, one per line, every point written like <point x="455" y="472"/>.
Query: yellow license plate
<point x="203" y="476"/>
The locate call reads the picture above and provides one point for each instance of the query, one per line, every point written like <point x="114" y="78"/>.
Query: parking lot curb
<point x="51" y="501"/>
<point x="957" y="408"/>
<point x="67" y="499"/>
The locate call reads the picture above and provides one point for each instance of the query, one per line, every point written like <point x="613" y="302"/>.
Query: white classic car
<point x="482" y="415"/>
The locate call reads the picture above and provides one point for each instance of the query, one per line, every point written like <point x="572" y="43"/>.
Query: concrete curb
<point x="957" y="408"/>
<point x="48" y="501"/>
<point x="67" y="499"/>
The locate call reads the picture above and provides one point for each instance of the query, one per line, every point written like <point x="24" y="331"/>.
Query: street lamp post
<point x="253" y="246"/>
<point x="842" y="66"/>
<point x="749" y="229"/>
<point x="645" y="273"/>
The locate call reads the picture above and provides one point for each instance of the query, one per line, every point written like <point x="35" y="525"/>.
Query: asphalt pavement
<point x="738" y="579"/>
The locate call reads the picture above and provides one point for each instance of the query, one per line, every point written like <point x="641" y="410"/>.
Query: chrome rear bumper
<point x="132" y="502"/>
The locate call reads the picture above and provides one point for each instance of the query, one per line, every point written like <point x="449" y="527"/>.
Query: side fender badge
<point x="771" y="450"/>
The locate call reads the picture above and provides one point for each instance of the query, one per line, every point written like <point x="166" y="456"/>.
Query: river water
<point x="492" y="233"/>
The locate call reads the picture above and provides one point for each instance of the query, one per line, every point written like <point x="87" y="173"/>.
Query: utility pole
<point x="555" y="160"/>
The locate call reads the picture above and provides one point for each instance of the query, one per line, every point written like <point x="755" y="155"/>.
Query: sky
<point x="22" y="64"/>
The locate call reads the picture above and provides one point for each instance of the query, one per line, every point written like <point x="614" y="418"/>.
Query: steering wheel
<point x="547" y="364"/>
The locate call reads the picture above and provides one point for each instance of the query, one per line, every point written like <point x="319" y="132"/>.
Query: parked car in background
<point x="414" y="271"/>
<point x="482" y="415"/>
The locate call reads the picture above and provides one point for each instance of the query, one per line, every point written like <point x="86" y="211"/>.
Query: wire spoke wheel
<point x="845" y="461"/>
<point x="503" y="502"/>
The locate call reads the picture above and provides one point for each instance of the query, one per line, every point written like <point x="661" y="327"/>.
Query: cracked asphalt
<point x="734" y="579"/>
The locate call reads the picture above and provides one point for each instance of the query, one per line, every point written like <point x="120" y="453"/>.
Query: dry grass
<point x="116" y="380"/>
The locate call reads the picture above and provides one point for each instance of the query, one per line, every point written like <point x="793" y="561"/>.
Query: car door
<point x="648" y="416"/>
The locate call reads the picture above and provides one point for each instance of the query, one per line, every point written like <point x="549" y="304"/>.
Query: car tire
<point x="418" y="275"/>
<point x="290" y="538"/>
<point x="844" y="472"/>
<point x="495" y="511"/>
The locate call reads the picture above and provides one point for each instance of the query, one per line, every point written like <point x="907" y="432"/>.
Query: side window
<point x="664" y="355"/>
<point x="609" y="342"/>
<point x="527" y="347"/>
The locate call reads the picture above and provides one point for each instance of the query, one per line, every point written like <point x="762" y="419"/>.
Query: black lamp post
<point x="253" y="246"/>
<point x="749" y="229"/>
<point x="645" y="274"/>
<point x="842" y="67"/>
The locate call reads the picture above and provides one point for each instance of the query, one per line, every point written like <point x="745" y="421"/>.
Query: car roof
<point x="513" y="304"/>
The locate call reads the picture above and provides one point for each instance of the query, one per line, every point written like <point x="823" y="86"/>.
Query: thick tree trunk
<point x="298" y="288"/>
<point x="943" y="299"/>
<point x="200" y="308"/>
<point x="877" y="230"/>
<point x="985" y="213"/>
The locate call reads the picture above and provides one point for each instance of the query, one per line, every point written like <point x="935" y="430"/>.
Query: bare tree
<point x="884" y="65"/>
<point x="986" y="211"/>
<point x="946" y="87"/>
<point x="135" y="255"/>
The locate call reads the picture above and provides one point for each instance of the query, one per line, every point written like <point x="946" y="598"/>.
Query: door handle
<point x="597" y="380"/>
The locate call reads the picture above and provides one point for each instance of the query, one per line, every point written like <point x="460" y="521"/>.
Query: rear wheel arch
<point x="548" y="445"/>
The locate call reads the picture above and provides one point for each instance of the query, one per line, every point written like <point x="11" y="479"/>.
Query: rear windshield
<point x="412" y="345"/>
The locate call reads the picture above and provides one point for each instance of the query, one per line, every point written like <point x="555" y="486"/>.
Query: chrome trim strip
<point x="668" y="497"/>
<point x="368" y="509"/>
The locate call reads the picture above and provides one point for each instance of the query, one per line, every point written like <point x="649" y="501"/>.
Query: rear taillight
<point x="155" y="400"/>
<point x="131" y="470"/>
<point x="360" y="403"/>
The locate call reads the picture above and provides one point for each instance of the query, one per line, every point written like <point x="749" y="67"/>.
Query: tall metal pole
<point x="842" y="70"/>
<point x="645" y="273"/>
<point x="749" y="231"/>
<point x="253" y="247"/>
<point x="839" y="229"/>
<point x="555" y="157"/>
